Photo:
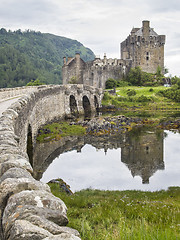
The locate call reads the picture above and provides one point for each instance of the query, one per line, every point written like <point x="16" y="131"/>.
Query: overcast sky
<point x="98" y="24"/>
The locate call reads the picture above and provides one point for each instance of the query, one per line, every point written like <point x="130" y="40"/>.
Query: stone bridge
<point x="28" y="209"/>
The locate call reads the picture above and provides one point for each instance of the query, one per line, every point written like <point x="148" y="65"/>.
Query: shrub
<point x="34" y="83"/>
<point x="121" y="83"/>
<point x="135" y="76"/>
<point x="131" y="92"/>
<point x="115" y="102"/>
<point x="111" y="83"/>
<point x="106" y="96"/>
<point x="143" y="98"/>
<point x="172" y="93"/>
<point x="151" y="90"/>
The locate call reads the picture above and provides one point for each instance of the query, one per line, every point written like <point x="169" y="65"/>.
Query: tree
<point x="158" y="71"/>
<point x="135" y="76"/>
<point x="111" y="83"/>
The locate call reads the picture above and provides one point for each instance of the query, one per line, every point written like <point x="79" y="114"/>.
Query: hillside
<point x="30" y="55"/>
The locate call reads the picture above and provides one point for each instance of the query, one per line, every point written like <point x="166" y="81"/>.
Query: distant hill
<point x="30" y="55"/>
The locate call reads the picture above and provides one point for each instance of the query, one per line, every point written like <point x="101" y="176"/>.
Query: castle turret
<point x="146" y="29"/>
<point x="144" y="48"/>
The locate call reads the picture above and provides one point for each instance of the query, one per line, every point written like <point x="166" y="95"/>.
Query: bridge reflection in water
<point x="141" y="151"/>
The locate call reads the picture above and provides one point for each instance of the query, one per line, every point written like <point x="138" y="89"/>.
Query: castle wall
<point x="72" y="71"/>
<point x="97" y="72"/>
<point x="145" y="48"/>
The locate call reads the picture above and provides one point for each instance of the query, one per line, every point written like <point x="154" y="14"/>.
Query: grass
<point x="120" y="215"/>
<point x="55" y="131"/>
<point x="147" y="102"/>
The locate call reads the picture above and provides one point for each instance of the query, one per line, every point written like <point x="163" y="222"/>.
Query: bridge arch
<point x="96" y="104"/>
<point x="73" y="106"/>
<point x="30" y="144"/>
<point x="86" y="106"/>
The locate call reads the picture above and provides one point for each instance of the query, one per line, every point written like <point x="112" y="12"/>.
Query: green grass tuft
<point x="55" y="131"/>
<point x="122" y="215"/>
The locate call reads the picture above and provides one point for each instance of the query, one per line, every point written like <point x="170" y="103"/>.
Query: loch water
<point x="145" y="159"/>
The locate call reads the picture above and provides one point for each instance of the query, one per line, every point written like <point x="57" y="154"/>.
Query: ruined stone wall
<point x="28" y="209"/>
<point x="72" y="71"/>
<point x="94" y="73"/>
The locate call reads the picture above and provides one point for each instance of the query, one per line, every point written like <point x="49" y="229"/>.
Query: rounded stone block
<point x="63" y="236"/>
<point x="38" y="203"/>
<point x="11" y="186"/>
<point x="16" y="173"/>
<point x="24" y="230"/>
<point x="19" y="163"/>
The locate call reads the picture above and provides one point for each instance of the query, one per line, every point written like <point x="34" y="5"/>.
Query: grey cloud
<point x="164" y="5"/>
<point x="29" y="11"/>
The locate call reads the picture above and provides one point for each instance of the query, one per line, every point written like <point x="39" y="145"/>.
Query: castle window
<point x="147" y="56"/>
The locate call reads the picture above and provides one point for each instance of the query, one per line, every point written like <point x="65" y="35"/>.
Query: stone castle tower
<point x="143" y="47"/>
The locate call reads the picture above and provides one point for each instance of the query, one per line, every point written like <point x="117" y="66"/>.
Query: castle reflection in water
<point x="141" y="151"/>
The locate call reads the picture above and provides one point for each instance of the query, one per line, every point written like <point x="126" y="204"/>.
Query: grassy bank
<point x="142" y="101"/>
<point x="54" y="131"/>
<point x="120" y="215"/>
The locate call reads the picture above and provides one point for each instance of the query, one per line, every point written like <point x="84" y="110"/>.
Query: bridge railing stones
<point x="7" y="93"/>
<point x="28" y="210"/>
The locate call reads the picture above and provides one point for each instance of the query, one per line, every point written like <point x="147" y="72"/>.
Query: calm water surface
<point x="149" y="161"/>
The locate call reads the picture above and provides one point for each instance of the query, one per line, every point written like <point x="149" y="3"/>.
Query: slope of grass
<point x="122" y="215"/>
<point x="144" y="101"/>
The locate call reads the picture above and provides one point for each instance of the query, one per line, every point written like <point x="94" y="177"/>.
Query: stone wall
<point x="94" y="73"/>
<point x="28" y="209"/>
<point x="145" y="48"/>
<point x="6" y="93"/>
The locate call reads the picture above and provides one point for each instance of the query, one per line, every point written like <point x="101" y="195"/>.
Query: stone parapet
<point x="28" y="208"/>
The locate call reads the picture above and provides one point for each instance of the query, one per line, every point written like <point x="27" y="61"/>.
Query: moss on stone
<point x="54" y="131"/>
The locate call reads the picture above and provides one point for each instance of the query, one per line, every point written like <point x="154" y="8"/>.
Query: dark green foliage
<point x="26" y="56"/>
<point x="111" y="83"/>
<point x="34" y="83"/>
<point x="135" y="76"/>
<point x="172" y="93"/>
<point x="139" y="78"/>
<point x="151" y="90"/>
<point x="174" y="80"/>
<point x="122" y="83"/>
<point x="158" y="72"/>
<point x="143" y="98"/>
<point x="131" y="92"/>
<point x="106" y="96"/>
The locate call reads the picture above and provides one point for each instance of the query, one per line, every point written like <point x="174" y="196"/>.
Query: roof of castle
<point x="139" y="32"/>
<point x="71" y="60"/>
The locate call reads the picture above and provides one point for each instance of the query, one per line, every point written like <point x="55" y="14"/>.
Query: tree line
<point x="29" y="55"/>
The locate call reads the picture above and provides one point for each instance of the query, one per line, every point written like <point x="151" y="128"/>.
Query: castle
<point x="143" y="47"/>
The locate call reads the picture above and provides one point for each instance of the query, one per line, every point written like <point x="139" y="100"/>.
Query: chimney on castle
<point x="146" y="28"/>
<point x="64" y="59"/>
<point x="77" y="56"/>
